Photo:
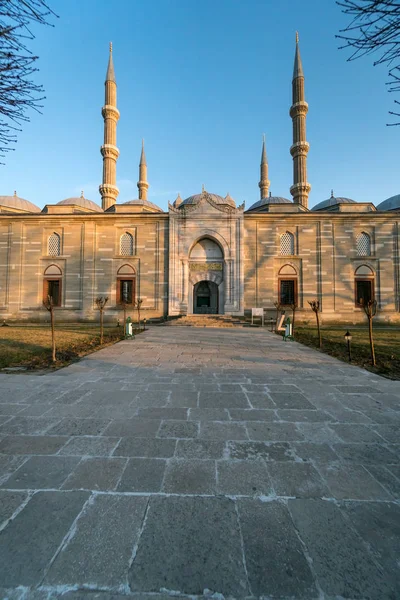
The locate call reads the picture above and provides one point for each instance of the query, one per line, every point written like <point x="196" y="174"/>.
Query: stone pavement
<point x="201" y="462"/>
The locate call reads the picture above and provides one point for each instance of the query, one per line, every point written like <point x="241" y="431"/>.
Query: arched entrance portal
<point x="205" y="298"/>
<point x="206" y="278"/>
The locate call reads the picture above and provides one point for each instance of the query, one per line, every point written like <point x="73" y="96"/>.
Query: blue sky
<point x="201" y="82"/>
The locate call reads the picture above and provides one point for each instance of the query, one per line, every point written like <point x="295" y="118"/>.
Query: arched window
<point x="287" y="285"/>
<point x="126" y="285"/>
<point x="126" y="244"/>
<point x="363" y="244"/>
<point x="52" y="284"/>
<point x="364" y="284"/>
<point x="54" y="245"/>
<point x="287" y="244"/>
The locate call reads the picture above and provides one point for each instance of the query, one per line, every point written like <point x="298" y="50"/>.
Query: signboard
<point x="257" y="312"/>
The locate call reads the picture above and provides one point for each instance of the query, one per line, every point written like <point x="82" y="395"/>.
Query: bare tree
<point x="138" y="304"/>
<point x="101" y="302"/>
<point x="370" y="308"/>
<point x="375" y="29"/>
<point x="294" y="307"/>
<point x="18" y="90"/>
<point x="49" y="305"/>
<point x="316" y="308"/>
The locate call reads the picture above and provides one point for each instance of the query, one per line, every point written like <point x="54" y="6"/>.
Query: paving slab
<point x="142" y="475"/>
<point x="145" y="447"/>
<point x="378" y="523"/>
<point x="200" y="449"/>
<point x="85" y="558"/>
<point x="275" y="561"/>
<point x="9" y="502"/>
<point x="47" y="517"/>
<point x="243" y="477"/>
<point x="32" y="444"/>
<point x="300" y="480"/>
<point x="42" y="472"/>
<point x="89" y="446"/>
<point x="343" y="565"/>
<point x="183" y="476"/>
<point x="202" y="551"/>
<point x="76" y="426"/>
<point x="95" y="474"/>
<point x="178" y="429"/>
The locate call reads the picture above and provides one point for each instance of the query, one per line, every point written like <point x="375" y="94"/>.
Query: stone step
<point x="205" y="321"/>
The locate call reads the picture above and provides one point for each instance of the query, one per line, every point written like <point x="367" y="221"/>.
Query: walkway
<point x="200" y="461"/>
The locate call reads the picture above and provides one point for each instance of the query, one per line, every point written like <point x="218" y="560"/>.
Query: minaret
<point x="299" y="149"/>
<point x="109" y="151"/>
<point x="264" y="182"/>
<point x="142" y="184"/>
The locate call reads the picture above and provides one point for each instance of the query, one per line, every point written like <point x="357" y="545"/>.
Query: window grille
<point x="54" y="245"/>
<point x="126" y="244"/>
<point x="363" y="245"/>
<point x="287" y="244"/>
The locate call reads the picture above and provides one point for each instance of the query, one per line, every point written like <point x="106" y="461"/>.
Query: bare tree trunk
<point x="319" y="330"/>
<point x="370" y="308"/>
<point x="100" y="303"/>
<point x="138" y="305"/>
<point x="48" y="304"/>
<point x="53" y="335"/>
<point x="315" y="306"/>
<point x="371" y="341"/>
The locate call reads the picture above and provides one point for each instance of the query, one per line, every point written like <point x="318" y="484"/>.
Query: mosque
<point x="207" y="254"/>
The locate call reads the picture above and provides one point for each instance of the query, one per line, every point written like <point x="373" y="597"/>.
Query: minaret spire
<point x="299" y="149"/>
<point x="109" y="151"/>
<point x="264" y="182"/>
<point x="142" y="184"/>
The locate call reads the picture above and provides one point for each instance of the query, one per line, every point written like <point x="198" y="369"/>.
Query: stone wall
<point x="325" y="260"/>
<point x="90" y="259"/>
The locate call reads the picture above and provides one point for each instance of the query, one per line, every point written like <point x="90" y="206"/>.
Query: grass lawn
<point x="387" y="346"/>
<point x="30" y="346"/>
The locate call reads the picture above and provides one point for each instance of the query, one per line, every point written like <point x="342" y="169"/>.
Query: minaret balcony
<point x="299" y="108"/>
<point x="110" y="112"/>
<point x="109" y="151"/>
<point x="299" y="149"/>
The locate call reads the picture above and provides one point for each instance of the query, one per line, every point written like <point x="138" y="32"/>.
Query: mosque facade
<point x="207" y="254"/>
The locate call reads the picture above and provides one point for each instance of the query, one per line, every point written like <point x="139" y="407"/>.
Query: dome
<point x="269" y="200"/>
<point x="392" y="203"/>
<point x="332" y="201"/>
<point x="82" y="202"/>
<point x="17" y="203"/>
<point x="145" y="204"/>
<point x="214" y="197"/>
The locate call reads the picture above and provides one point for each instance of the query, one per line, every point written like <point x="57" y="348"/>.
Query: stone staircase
<point x="205" y="321"/>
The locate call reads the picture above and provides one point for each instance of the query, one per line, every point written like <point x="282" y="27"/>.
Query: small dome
<point x="214" y="197"/>
<point x="392" y="203"/>
<point x="145" y="204"/>
<point x="82" y="202"/>
<point x="269" y="200"/>
<point x="18" y="204"/>
<point x="332" y="201"/>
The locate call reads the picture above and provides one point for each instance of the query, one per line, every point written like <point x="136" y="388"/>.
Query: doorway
<point x="205" y="298"/>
